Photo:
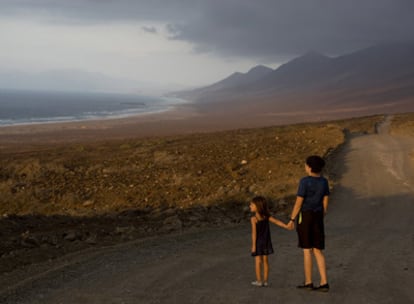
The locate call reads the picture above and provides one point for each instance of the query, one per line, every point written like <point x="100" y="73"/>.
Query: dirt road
<point x="370" y="242"/>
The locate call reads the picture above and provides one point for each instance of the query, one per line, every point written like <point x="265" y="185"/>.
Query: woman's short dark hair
<point x="316" y="163"/>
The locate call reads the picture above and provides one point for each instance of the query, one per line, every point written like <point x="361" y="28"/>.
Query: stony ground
<point x="57" y="199"/>
<point x="403" y="124"/>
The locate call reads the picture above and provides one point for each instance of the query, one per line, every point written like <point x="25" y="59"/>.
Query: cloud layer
<point x="175" y="43"/>
<point x="270" y="29"/>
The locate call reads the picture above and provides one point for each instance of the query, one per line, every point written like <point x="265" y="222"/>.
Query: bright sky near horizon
<point x="127" y="45"/>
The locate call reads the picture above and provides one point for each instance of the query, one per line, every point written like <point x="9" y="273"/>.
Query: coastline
<point x="180" y="119"/>
<point x="136" y="125"/>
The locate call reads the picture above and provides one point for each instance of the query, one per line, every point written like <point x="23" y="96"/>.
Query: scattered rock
<point x="70" y="236"/>
<point x="88" y="203"/>
<point x="125" y="230"/>
<point x="171" y="223"/>
<point x="30" y="241"/>
<point x="92" y="239"/>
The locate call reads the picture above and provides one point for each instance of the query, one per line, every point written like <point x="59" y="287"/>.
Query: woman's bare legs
<point x="307" y="265"/>
<point x="320" y="261"/>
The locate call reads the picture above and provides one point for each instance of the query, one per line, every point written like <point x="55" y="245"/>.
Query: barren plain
<point x="164" y="219"/>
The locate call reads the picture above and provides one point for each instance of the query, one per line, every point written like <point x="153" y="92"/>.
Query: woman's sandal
<point x="322" y="288"/>
<point x="306" y="286"/>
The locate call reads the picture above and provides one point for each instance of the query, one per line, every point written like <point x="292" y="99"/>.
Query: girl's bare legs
<point x="258" y="263"/>
<point x="262" y="261"/>
<point x="307" y="265"/>
<point x="265" y="268"/>
<point x="320" y="261"/>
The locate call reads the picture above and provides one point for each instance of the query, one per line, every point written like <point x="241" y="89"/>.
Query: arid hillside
<point x="180" y="171"/>
<point x="58" y="199"/>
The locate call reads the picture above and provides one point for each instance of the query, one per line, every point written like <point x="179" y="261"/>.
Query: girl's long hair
<point x="261" y="206"/>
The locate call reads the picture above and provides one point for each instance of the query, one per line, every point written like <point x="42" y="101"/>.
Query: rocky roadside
<point x="34" y="238"/>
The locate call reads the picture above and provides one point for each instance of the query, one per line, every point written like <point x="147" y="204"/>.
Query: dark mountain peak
<point x="376" y="66"/>
<point x="388" y="51"/>
<point x="311" y="56"/>
<point x="309" y="61"/>
<point x="382" y="62"/>
<point x="304" y="69"/>
<point x="390" y="46"/>
<point x="259" y="69"/>
<point x="235" y="75"/>
<point x="314" y="54"/>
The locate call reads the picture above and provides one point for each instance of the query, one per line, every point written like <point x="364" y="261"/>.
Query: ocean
<point x="29" y="107"/>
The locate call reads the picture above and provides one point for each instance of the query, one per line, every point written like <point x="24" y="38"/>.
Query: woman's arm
<point x="325" y="204"/>
<point x="296" y="207"/>
<point x="295" y="212"/>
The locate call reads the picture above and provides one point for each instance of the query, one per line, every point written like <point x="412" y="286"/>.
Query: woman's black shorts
<point x="310" y="229"/>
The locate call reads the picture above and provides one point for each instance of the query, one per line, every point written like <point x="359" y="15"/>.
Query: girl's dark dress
<point x="263" y="240"/>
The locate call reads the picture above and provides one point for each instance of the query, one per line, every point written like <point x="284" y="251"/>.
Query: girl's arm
<point x="253" y="221"/>
<point x="278" y="222"/>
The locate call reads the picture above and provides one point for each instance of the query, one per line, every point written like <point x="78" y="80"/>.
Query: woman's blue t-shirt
<point x="313" y="189"/>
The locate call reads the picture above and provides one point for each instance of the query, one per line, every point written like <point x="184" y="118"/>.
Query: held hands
<point x="290" y="225"/>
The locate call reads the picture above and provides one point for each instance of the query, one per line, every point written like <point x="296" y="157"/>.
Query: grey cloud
<point x="267" y="29"/>
<point x="150" y="29"/>
<point x="98" y="11"/>
<point x="281" y="28"/>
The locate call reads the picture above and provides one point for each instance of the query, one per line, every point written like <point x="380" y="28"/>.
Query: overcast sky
<point x="186" y="42"/>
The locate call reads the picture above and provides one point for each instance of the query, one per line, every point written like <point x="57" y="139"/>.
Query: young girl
<point x="261" y="241"/>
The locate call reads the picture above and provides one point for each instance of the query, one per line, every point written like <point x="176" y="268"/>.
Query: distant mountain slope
<point x="373" y="71"/>
<point x="234" y="81"/>
<point x="373" y="66"/>
<point x="240" y="79"/>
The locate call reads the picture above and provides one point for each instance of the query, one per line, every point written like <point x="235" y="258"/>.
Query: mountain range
<point x="378" y="76"/>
